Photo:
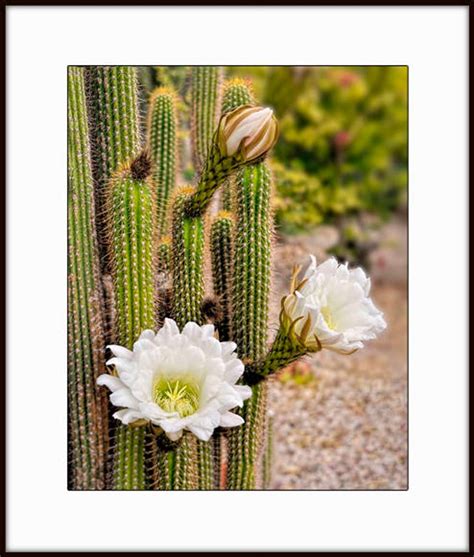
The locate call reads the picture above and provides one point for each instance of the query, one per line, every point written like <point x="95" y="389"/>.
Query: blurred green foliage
<point x="343" y="144"/>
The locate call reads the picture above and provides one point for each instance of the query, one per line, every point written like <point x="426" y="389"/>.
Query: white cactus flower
<point x="250" y="130"/>
<point x="331" y="308"/>
<point x="178" y="381"/>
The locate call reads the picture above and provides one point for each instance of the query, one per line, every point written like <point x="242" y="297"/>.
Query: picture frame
<point x="34" y="208"/>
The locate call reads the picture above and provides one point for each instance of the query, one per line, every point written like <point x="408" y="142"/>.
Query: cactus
<point x="251" y="281"/>
<point x="187" y="260"/>
<point x="251" y="287"/>
<point x="138" y="205"/>
<point x="162" y="125"/>
<point x="267" y="466"/>
<point x="282" y="353"/>
<point x="88" y="421"/>
<point x="187" y="266"/>
<point x="222" y="261"/>
<point x="236" y="92"/>
<point x="175" y="465"/>
<point x="131" y="216"/>
<point x="164" y="255"/>
<point x="205" y="84"/>
<point x="112" y="99"/>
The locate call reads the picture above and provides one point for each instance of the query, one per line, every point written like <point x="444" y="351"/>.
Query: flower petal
<point x="120" y="351"/>
<point x="123" y="397"/>
<point x="128" y="416"/>
<point x="110" y="381"/>
<point x="231" y="420"/>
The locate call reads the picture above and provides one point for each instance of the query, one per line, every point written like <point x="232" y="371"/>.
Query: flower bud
<point x="247" y="131"/>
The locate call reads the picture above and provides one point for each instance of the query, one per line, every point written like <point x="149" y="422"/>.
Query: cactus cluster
<point x="131" y="226"/>
<point x="147" y="252"/>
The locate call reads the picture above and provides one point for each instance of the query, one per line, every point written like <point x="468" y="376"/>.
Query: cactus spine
<point x="205" y="110"/>
<point x="131" y="231"/>
<point x="162" y="147"/>
<point x="88" y="423"/>
<point x="115" y="134"/>
<point x="251" y="287"/>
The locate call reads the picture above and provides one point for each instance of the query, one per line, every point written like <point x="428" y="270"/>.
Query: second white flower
<point x="331" y="308"/>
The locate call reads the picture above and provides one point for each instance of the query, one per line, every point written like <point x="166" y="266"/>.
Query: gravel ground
<point x="346" y="426"/>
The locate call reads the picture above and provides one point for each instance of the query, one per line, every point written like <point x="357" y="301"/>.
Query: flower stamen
<point x="176" y="395"/>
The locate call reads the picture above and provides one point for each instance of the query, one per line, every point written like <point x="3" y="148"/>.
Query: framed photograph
<point x="231" y="298"/>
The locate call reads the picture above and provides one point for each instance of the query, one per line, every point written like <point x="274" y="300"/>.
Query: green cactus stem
<point x="268" y="455"/>
<point x="175" y="466"/>
<point x="282" y="353"/>
<point x="206" y="97"/>
<point x="131" y="213"/>
<point x="246" y="442"/>
<point x="164" y="255"/>
<point x="187" y="268"/>
<point x="251" y="287"/>
<point x="236" y="92"/>
<point x="112" y="98"/>
<point x="162" y="146"/>
<point x="187" y="260"/>
<point x="252" y="246"/>
<point x="87" y="416"/>
<point x="222" y="262"/>
<point x="216" y="170"/>
<point x="219" y="451"/>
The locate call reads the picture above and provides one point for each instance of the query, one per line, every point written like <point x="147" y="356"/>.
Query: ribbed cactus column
<point x="164" y="255"/>
<point x="162" y="124"/>
<point x="236" y="92"/>
<point x="222" y="229"/>
<point x="112" y="97"/>
<point x="187" y="259"/>
<point x="88" y="422"/>
<point x="131" y="213"/>
<point x="190" y="462"/>
<point x="175" y="464"/>
<point x="251" y="286"/>
<point x="267" y="464"/>
<point x="205" y="89"/>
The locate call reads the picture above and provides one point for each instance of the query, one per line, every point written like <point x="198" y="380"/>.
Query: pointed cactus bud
<point x="248" y="132"/>
<point x="244" y="136"/>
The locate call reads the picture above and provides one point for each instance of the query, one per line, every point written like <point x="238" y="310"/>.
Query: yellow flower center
<point x="176" y="395"/>
<point x="328" y="318"/>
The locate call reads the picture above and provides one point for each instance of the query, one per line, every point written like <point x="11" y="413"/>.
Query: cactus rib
<point x="132" y="260"/>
